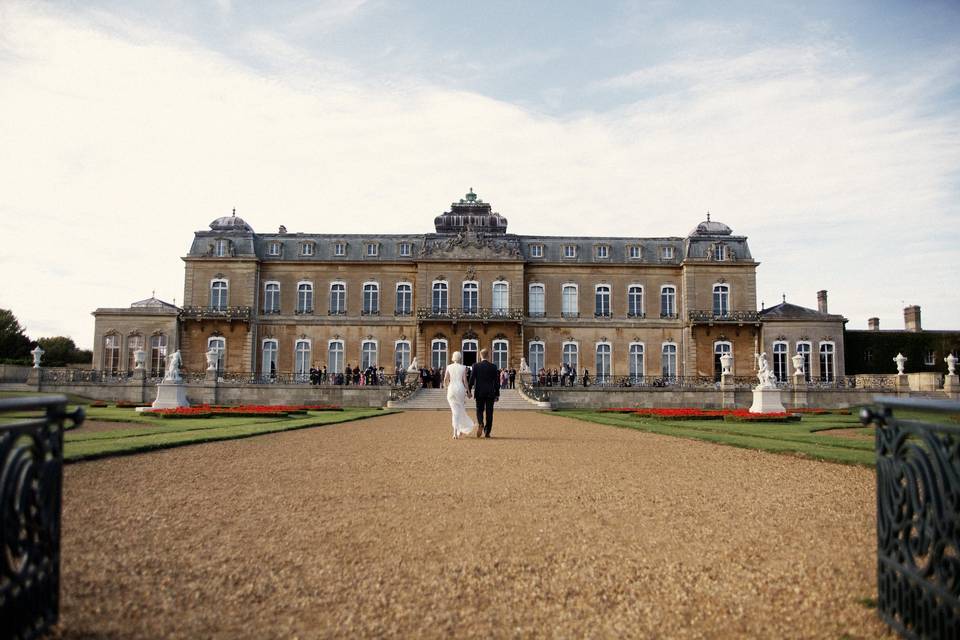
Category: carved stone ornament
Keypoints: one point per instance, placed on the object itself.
(403, 336)
(470, 245)
(471, 273)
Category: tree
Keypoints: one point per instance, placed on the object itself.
(60, 351)
(14, 344)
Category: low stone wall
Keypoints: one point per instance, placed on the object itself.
(14, 373)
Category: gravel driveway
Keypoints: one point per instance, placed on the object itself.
(387, 527)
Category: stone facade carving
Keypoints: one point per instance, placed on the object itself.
(470, 245)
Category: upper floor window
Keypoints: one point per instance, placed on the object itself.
(602, 301)
(338, 298)
(440, 291)
(305, 297)
(666, 253)
(633, 252)
(404, 299)
(668, 301)
(306, 249)
(635, 301)
(404, 249)
(500, 296)
(930, 358)
(471, 297)
(371, 298)
(535, 308)
(570, 301)
(218, 294)
(569, 251)
(273, 249)
(222, 248)
(536, 251)
(373, 249)
(339, 248)
(868, 355)
(721, 300)
(720, 252)
(602, 251)
(271, 297)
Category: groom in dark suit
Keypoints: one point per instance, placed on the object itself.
(485, 386)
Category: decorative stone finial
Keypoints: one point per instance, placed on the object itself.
(784, 297)
(708, 216)
(471, 196)
(234, 211)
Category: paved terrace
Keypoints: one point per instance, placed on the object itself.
(388, 527)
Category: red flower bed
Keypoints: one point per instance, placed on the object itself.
(690, 413)
(242, 411)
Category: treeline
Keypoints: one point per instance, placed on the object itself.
(15, 346)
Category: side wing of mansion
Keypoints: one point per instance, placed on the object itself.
(281, 303)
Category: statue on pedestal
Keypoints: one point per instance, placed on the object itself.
(765, 373)
(173, 368)
(900, 360)
(414, 367)
(524, 367)
(139, 359)
(951, 361)
(37, 354)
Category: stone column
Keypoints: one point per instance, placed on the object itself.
(728, 391)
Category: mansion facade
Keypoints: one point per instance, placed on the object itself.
(646, 308)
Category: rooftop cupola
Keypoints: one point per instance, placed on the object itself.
(470, 214)
(711, 228)
(230, 223)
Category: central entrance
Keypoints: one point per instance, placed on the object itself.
(469, 351)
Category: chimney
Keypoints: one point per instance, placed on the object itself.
(873, 324)
(822, 301)
(911, 318)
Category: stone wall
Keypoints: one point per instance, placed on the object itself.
(14, 373)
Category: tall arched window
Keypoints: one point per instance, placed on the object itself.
(218, 294)
(721, 300)
(668, 301)
(571, 302)
(404, 299)
(134, 344)
(804, 349)
(635, 301)
(636, 361)
(271, 297)
(371, 298)
(268, 363)
(158, 354)
(536, 357)
(338, 298)
(535, 306)
(668, 360)
(111, 354)
(827, 363)
(439, 297)
(571, 355)
(219, 345)
(471, 297)
(720, 348)
(438, 353)
(304, 297)
(335, 356)
(368, 354)
(301, 360)
(602, 308)
(500, 353)
(401, 359)
(780, 361)
(501, 298)
(604, 362)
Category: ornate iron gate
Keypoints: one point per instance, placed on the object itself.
(918, 517)
(31, 479)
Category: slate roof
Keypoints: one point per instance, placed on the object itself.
(787, 311)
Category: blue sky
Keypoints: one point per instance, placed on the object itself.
(827, 132)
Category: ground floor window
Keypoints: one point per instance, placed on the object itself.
(335, 357)
(402, 355)
(636, 361)
(134, 344)
(603, 363)
(720, 349)
(368, 355)
(803, 349)
(668, 360)
(780, 361)
(536, 357)
(158, 354)
(500, 351)
(111, 354)
(438, 354)
(571, 356)
(219, 345)
(302, 360)
(827, 366)
(268, 363)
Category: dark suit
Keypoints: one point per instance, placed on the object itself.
(485, 384)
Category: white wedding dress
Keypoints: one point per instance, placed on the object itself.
(457, 398)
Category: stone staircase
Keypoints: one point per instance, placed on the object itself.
(436, 400)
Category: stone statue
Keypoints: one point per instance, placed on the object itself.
(951, 361)
(726, 364)
(139, 359)
(173, 368)
(37, 354)
(414, 367)
(797, 364)
(900, 360)
(524, 368)
(765, 373)
(212, 357)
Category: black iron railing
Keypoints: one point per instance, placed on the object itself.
(214, 313)
(331, 379)
(918, 517)
(458, 313)
(31, 482)
(700, 315)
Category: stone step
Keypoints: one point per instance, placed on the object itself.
(436, 400)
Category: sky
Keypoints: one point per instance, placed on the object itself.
(828, 133)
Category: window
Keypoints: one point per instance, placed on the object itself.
(721, 300)
(500, 351)
(571, 355)
(500, 297)
(218, 295)
(335, 356)
(405, 249)
(339, 249)
(338, 298)
(471, 297)
(571, 303)
(371, 299)
(301, 360)
(535, 306)
(536, 251)
(373, 249)
(158, 354)
(780, 361)
(401, 355)
(804, 349)
(306, 249)
(827, 366)
(720, 252)
(469, 348)
(668, 360)
(219, 345)
(668, 301)
(720, 349)
(868, 355)
(439, 297)
(666, 253)
(636, 361)
(271, 297)
(633, 252)
(268, 363)
(304, 297)
(368, 354)
(111, 354)
(635, 301)
(602, 308)
(273, 249)
(569, 251)
(603, 362)
(929, 358)
(603, 252)
(134, 344)
(438, 353)
(404, 299)
(222, 248)
(536, 357)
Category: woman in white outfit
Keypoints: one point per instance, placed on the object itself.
(455, 380)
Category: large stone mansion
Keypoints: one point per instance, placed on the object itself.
(650, 308)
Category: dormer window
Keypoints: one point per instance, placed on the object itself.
(633, 252)
(222, 248)
(373, 249)
(404, 249)
(720, 252)
(602, 252)
(569, 251)
(536, 251)
(666, 253)
(339, 248)
(273, 249)
(306, 249)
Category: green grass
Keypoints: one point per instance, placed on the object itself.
(71, 398)
(157, 433)
(809, 438)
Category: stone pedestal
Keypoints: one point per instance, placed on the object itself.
(766, 401)
(728, 391)
(902, 382)
(33, 378)
(799, 391)
(170, 395)
(951, 383)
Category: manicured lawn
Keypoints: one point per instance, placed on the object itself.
(814, 436)
(159, 433)
(6, 393)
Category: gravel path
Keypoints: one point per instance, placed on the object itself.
(553, 528)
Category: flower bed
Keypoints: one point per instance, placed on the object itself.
(689, 413)
(742, 415)
(99, 404)
(123, 404)
(241, 411)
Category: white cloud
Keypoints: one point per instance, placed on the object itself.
(119, 143)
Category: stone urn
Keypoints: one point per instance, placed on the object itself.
(726, 364)
(37, 354)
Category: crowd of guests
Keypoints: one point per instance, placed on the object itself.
(432, 377)
(371, 376)
(565, 376)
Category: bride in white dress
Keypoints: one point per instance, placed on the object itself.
(455, 380)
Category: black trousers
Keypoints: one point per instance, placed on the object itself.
(485, 406)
